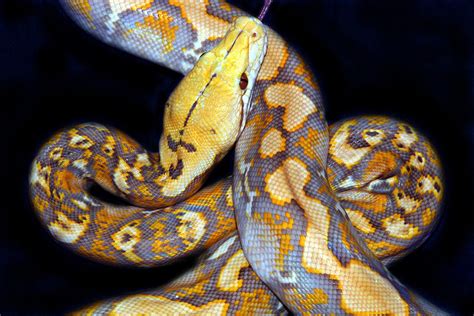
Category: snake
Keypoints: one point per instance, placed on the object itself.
(313, 213)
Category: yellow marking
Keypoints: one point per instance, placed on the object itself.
(364, 291)
(80, 204)
(343, 153)
(383, 249)
(123, 170)
(373, 136)
(81, 164)
(222, 248)
(285, 94)
(429, 184)
(403, 140)
(408, 204)
(121, 175)
(41, 175)
(229, 276)
(142, 161)
(360, 222)
(158, 305)
(396, 227)
(144, 190)
(56, 154)
(109, 146)
(229, 198)
(428, 216)
(276, 185)
(273, 142)
(80, 141)
(61, 162)
(191, 228)
(125, 240)
(67, 230)
(417, 161)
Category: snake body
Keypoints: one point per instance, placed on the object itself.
(319, 211)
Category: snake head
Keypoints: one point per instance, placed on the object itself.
(242, 51)
(213, 100)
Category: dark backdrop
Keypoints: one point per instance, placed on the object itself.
(413, 60)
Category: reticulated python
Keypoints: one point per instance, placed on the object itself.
(318, 210)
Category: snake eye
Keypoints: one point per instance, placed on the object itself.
(244, 81)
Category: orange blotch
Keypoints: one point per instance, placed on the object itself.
(67, 181)
(377, 203)
(161, 23)
(380, 166)
(309, 144)
(318, 297)
(255, 303)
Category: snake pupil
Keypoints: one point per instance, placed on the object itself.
(244, 81)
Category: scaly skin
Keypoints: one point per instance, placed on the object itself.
(317, 211)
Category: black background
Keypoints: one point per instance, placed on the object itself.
(413, 60)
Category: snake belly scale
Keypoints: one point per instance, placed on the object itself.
(312, 214)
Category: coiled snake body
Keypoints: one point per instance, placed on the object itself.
(311, 214)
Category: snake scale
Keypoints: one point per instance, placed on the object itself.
(312, 214)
